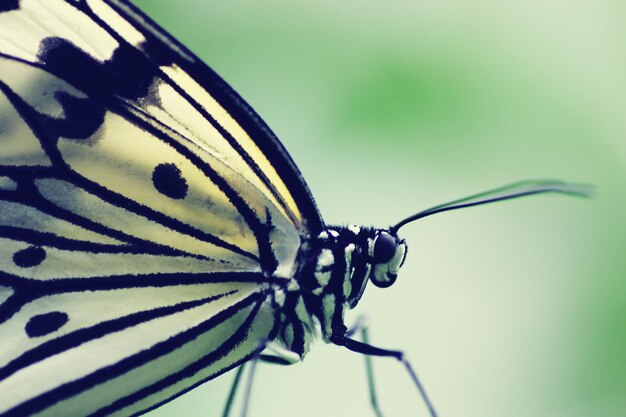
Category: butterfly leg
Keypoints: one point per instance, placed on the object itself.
(248, 389)
(233, 390)
(369, 370)
(278, 356)
(361, 322)
(360, 326)
(368, 350)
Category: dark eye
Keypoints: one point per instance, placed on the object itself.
(384, 248)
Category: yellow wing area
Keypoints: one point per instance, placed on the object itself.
(181, 114)
(165, 163)
(183, 105)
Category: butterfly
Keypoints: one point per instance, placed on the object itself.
(154, 233)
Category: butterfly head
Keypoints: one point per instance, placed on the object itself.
(374, 255)
(386, 253)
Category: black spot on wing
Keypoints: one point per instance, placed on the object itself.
(82, 117)
(8, 5)
(43, 324)
(127, 74)
(41, 402)
(168, 180)
(158, 54)
(29, 257)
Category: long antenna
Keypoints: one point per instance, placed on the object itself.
(515, 190)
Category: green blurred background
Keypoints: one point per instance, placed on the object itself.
(516, 309)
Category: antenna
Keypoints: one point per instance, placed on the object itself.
(508, 192)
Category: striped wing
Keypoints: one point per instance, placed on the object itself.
(123, 351)
(145, 211)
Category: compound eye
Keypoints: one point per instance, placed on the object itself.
(384, 248)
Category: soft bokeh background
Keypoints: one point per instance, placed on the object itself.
(516, 309)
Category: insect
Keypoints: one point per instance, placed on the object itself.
(154, 233)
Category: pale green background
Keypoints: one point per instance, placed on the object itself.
(390, 107)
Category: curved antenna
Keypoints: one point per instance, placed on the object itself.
(515, 190)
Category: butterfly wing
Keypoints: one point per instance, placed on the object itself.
(145, 211)
(121, 351)
(255, 143)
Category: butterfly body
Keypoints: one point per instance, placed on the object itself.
(337, 265)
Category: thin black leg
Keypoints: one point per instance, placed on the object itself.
(276, 360)
(361, 323)
(370, 376)
(233, 391)
(369, 350)
(248, 390)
